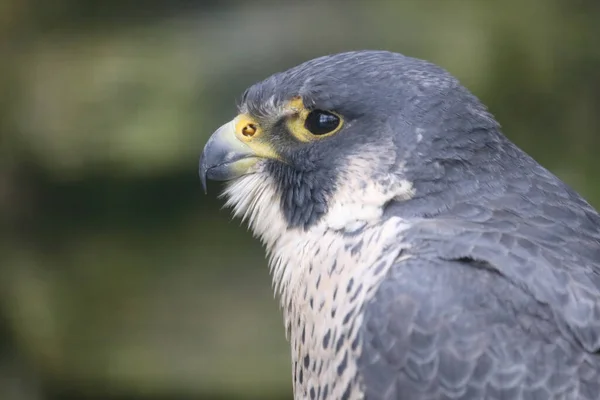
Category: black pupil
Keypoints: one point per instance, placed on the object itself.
(321, 122)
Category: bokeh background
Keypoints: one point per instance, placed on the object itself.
(119, 278)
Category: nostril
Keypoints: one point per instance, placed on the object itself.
(249, 130)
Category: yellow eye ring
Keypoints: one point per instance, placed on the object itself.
(311, 125)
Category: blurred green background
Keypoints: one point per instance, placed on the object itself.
(119, 278)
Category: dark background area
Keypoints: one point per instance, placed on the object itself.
(119, 278)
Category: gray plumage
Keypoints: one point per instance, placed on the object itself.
(417, 252)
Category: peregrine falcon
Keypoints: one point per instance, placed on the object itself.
(417, 253)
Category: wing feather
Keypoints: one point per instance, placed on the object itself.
(440, 329)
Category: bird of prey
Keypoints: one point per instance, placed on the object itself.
(417, 252)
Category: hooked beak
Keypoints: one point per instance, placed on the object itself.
(225, 157)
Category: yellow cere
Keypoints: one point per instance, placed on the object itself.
(246, 127)
(249, 131)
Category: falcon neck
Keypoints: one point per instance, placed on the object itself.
(464, 173)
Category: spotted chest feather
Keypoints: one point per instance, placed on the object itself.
(332, 280)
(324, 276)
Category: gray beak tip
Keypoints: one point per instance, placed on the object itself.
(202, 172)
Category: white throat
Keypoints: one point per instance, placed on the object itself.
(255, 200)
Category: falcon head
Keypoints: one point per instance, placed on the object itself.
(339, 142)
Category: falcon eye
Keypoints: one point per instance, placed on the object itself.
(320, 122)
(307, 125)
